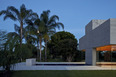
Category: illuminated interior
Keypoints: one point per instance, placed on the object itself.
(106, 48)
(106, 55)
(83, 50)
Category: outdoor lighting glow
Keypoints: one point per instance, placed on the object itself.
(106, 48)
(38, 31)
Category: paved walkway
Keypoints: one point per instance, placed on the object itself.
(22, 66)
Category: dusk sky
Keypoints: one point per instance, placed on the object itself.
(74, 14)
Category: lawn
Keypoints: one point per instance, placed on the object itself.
(77, 73)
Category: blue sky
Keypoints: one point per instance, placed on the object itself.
(74, 14)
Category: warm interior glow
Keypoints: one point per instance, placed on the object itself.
(83, 50)
(106, 48)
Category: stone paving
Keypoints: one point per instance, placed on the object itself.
(22, 66)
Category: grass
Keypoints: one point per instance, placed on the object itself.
(59, 73)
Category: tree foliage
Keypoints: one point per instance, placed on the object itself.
(45, 25)
(63, 44)
(12, 45)
(7, 59)
(22, 15)
(2, 39)
(68, 49)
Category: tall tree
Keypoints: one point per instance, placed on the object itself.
(21, 16)
(50, 25)
(63, 44)
(7, 56)
(31, 34)
(42, 28)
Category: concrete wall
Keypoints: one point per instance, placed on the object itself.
(98, 33)
(96, 23)
(88, 28)
(99, 36)
(90, 56)
(112, 31)
(92, 25)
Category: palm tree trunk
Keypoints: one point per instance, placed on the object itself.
(37, 50)
(40, 48)
(21, 32)
(45, 50)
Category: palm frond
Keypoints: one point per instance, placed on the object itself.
(9, 15)
(48, 11)
(51, 28)
(2, 12)
(12, 34)
(27, 14)
(32, 16)
(22, 8)
(17, 28)
(12, 40)
(60, 24)
(22, 12)
(12, 37)
(45, 16)
(53, 19)
(51, 32)
(37, 21)
(29, 22)
(14, 11)
(41, 27)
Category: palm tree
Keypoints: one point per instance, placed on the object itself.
(50, 25)
(42, 28)
(13, 43)
(31, 33)
(22, 16)
(8, 57)
(37, 29)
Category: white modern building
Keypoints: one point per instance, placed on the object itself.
(99, 41)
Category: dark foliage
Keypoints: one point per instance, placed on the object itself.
(63, 44)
